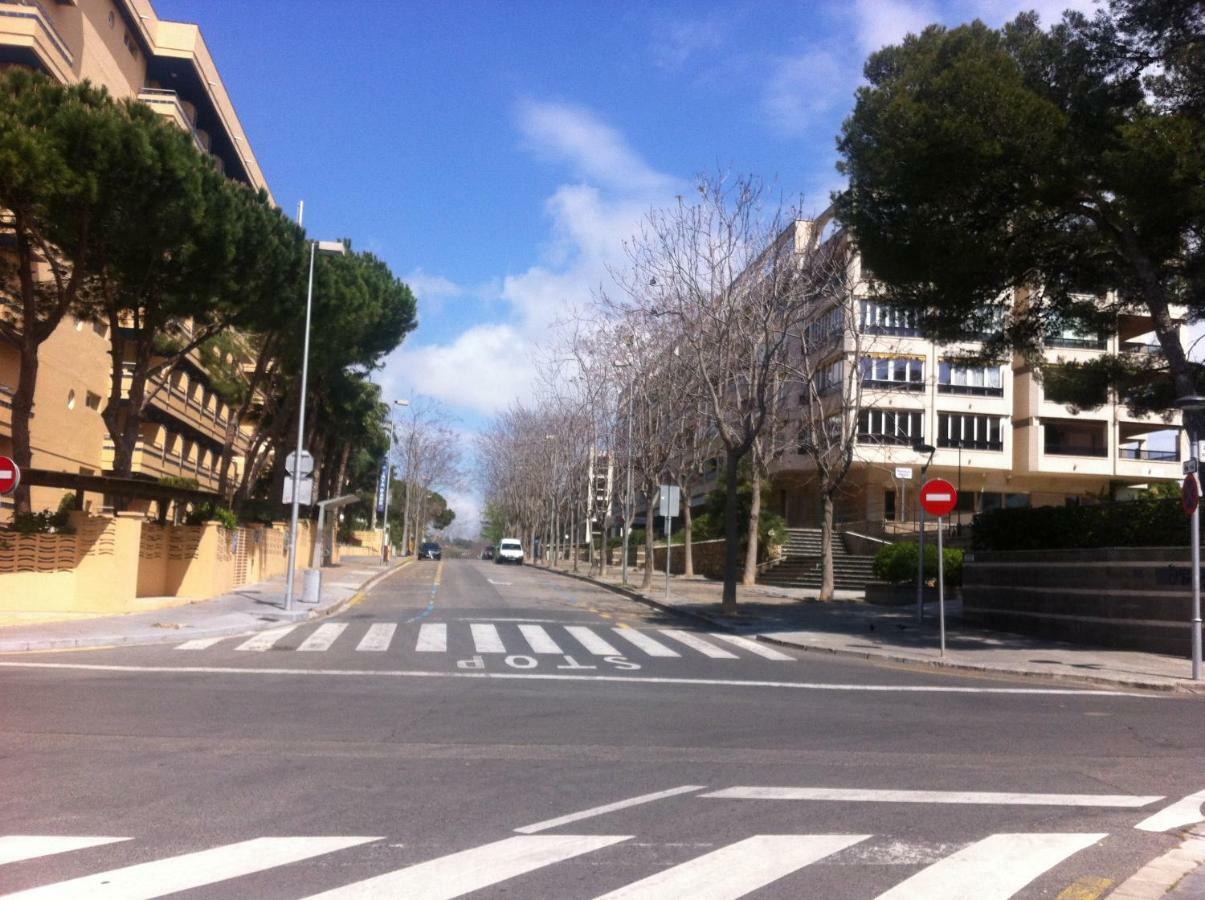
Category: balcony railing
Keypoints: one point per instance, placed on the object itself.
(1077, 343)
(956, 444)
(894, 330)
(971, 390)
(875, 384)
(894, 440)
(1141, 347)
(1055, 448)
(1150, 455)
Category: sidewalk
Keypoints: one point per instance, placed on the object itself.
(250, 608)
(847, 627)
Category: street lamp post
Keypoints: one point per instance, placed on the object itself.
(627, 491)
(316, 247)
(385, 533)
(920, 554)
(1192, 406)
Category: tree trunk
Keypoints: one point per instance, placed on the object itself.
(732, 462)
(573, 536)
(341, 473)
(688, 560)
(650, 557)
(237, 417)
(23, 400)
(826, 550)
(750, 576)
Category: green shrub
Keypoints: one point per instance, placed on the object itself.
(1158, 522)
(896, 563)
(208, 512)
(44, 522)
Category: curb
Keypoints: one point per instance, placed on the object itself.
(908, 661)
(171, 635)
(1158, 877)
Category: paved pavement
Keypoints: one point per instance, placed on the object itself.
(470, 727)
(853, 628)
(250, 608)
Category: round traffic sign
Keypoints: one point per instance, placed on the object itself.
(10, 476)
(938, 497)
(1190, 494)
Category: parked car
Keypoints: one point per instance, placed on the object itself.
(488, 552)
(430, 550)
(510, 551)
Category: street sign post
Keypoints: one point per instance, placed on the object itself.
(670, 496)
(939, 497)
(10, 476)
(903, 473)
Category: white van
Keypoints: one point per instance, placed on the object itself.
(509, 551)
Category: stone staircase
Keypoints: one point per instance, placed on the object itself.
(800, 566)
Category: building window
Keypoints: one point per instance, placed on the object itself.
(92, 401)
(71, 399)
(112, 19)
(899, 373)
(1076, 438)
(956, 378)
(100, 328)
(876, 317)
(969, 432)
(828, 379)
(1074, 335)
(826, 328)
(891, 426)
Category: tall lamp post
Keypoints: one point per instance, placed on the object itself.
(388, 484)
(1192, 407)
(920, 554)
(335, 248)
(627, 491)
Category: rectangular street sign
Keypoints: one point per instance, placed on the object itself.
(904, 473)
(382, 482)
(305, 491)
(1191, 466)
(670, 495)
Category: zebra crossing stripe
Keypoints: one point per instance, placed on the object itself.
(591, 641)
(753, 647)
(985, 798)
(486, 639)
(322, 639)
(432, 638)
(20, 847)
(644, 642)
(471, 870)
(695, 642)
(201, 643)
(994, 868)
(737, 869)
(192, 870)
(265, 639)
(539, 639)
(378, 638)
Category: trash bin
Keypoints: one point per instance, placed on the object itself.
(311, 590)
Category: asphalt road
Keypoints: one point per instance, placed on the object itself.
(467, 726)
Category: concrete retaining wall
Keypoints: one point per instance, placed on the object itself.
(1130, 598)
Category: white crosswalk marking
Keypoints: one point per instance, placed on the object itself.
(738, 869)
(539, 639)
(486, 639)
(644, 642)
(432, 638)
(591, 641)
(201, 643)
(265, 639)
(192, 870)
(19, 847)
(470, 870)
(322, 639)
(994, 868)
(753, 646)
(694, 642)
(377, 638)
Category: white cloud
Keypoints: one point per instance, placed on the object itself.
(432, 287)
(675, 42)
(996, 12)
(804, 88)
(883, 22)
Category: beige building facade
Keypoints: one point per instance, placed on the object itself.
(124, 46)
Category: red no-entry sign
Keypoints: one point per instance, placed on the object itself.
(1190, 494)
(10, 476)
(938, 497)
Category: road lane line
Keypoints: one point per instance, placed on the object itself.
(645, 643)
(994, 868)
(539, 640)
(591, 641)
(486, 639)
(378, 638)
(432, 638)
(471, 870)
(754, 647)
(322, 639)
(697, 643)
(201, 643)
(192, 870)
(608, 807)
(1187, 811)
(989, 798)
(20, 847)
(737, 869)
(265, 639)
(613, 679)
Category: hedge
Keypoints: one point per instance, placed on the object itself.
(896, 563)
(1132, 523)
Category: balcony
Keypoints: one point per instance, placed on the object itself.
(956, 444)
(1141, 347)
(1077, 343)
(167, 103)
(28, 35)
(1148, 455)
(970, 390)
(873, 384)
(1055, 448)
(887, 440)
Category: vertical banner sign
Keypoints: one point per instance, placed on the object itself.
(382, 483)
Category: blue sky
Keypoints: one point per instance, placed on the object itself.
(495, 154)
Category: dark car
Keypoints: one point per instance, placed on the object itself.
(430, 550)
(488, 552)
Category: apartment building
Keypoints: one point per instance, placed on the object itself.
(995, 434)
(124, 46)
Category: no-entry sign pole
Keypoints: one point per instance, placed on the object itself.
(938, 498)
(1190, 495)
